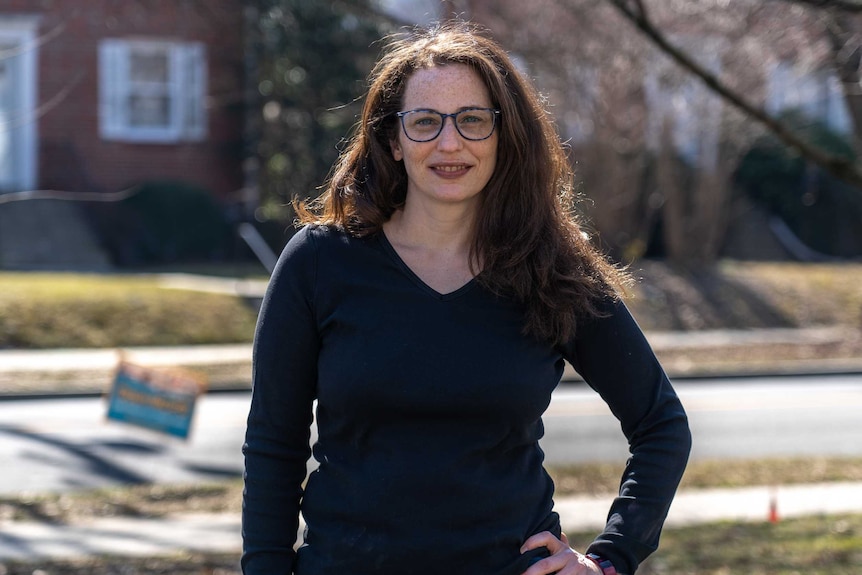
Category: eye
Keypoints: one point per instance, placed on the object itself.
(473, 117)
(424, 120)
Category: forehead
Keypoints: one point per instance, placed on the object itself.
(445, 88)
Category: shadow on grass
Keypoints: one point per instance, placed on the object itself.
(701, 297)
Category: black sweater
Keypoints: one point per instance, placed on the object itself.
(429, 415)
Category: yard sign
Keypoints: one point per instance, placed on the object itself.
(158, 399)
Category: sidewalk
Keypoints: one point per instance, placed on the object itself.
(220, 533)
(228, 367)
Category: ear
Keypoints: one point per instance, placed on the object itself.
(395, 146)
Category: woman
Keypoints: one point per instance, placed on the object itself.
(428, 307)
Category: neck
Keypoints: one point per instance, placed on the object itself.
(439, 230)
(436, 249)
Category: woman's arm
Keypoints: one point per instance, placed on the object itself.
(284, 375)
(614, 358)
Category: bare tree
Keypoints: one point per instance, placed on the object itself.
(844, 5)
(612, 88)
(593, 72)
(637, 13)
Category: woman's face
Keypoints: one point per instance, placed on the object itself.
(449, 169)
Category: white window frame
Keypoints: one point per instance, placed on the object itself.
(186, 89)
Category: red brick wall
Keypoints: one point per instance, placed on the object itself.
(72, 155)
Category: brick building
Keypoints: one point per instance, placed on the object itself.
(100, 95)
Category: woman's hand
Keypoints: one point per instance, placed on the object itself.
(563, 560)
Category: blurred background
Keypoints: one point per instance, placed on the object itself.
(149, 152)
(699, 130)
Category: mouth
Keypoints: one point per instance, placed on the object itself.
(448, 170)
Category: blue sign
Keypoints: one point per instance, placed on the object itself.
(162, 400)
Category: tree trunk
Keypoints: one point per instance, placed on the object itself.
(674, 210)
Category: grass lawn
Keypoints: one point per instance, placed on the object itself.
(46, 310)
(602, 478)
(822, 545)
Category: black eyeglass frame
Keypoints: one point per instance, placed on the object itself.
(494, 116)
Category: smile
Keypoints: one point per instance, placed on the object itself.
(451, 169)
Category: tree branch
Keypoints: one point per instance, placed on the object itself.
(845, 5)
(839, 167)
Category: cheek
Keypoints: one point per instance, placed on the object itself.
(491, 158)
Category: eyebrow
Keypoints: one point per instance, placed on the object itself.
(461, 109)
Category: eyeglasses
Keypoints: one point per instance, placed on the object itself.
(472, 123)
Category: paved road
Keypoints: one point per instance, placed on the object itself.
(731, 418)
(53, 445)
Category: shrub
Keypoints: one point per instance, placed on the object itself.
(165, 222)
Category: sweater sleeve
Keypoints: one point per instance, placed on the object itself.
(276, 448)
(612, 355)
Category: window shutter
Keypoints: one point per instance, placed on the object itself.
(113, 83)
(194, 76)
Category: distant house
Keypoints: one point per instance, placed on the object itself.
(99, 96)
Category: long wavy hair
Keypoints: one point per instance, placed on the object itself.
(527, 236)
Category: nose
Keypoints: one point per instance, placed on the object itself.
(449, 138)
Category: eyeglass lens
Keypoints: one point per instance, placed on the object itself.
(425, 125)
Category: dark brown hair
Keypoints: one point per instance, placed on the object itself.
(527, 237)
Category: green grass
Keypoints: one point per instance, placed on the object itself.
(818, 545)
(735, 294)
(807, 294)
(45, 310)
(601, 478)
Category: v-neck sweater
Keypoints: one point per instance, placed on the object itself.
(429, 413)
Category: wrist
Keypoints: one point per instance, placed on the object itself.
(604, 564)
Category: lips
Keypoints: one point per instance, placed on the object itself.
(450, 170)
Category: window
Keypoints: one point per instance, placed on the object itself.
(817, 93)
(152, 91)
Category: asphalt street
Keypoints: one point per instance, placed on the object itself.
(738, 418)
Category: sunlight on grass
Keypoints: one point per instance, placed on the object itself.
(603, 478)
(78, 310)
(825, 294)
(818, 545)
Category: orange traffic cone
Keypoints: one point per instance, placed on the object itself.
(773, 507)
